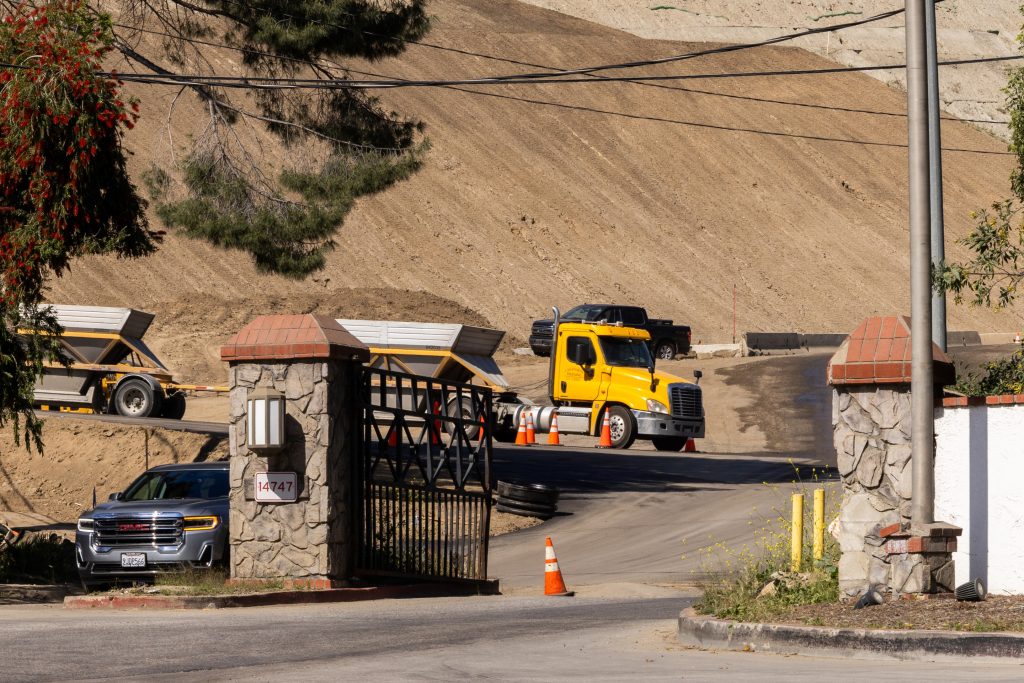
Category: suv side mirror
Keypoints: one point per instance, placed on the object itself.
(697, 375)
(116, 495)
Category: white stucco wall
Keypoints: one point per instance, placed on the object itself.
(979, 486)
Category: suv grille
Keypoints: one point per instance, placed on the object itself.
(148, 532)
(686, 401)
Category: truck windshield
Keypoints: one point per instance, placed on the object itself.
(585, 313)
(626, 353)
(177, 484)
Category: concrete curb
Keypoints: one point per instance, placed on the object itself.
(425, 590)
(24, 593)
(711, 633)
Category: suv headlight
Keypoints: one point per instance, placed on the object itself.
(85, 524)
(204, 523)
(655, 406)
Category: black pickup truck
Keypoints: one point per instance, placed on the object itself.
(667, 339)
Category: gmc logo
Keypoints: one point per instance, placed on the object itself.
(133, 527)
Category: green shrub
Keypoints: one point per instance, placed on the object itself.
(39, 560)
(1000, 377)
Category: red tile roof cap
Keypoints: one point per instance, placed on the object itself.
(293, 337)
(878, 352)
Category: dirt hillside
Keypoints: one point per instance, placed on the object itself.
(792, 189)
(965, 30)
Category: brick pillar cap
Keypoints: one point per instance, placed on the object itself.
(293, 337)
(879, 352)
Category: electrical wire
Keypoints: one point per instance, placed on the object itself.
(276, 83)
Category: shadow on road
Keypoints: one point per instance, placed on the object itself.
(580, 471)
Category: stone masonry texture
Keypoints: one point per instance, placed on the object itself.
(314, 537)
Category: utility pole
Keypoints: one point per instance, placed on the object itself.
(922, 386)
(935, 174)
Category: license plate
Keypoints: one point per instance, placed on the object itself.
(133, 559)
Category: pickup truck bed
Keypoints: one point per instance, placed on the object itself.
(667, 339)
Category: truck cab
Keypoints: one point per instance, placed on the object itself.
(600, 368)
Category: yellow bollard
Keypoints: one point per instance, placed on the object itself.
(797, 549)
(819, 523)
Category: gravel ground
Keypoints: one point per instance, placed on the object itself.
(997, 613)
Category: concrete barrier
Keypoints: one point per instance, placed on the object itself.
(791, 341)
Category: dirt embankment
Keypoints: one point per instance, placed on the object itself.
(80, 455)
(792, 189)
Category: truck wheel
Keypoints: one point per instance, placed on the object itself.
(665, 350)
(174, 407)
(623, 427)
(669, 443)
(135, 398)
(470, 420)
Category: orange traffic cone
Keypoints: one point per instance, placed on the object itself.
(435, 428)
(690, 447)
(606, 433)
(392, 437)
(531, 433)
(521, 433)
(553, 583)
(483, 428)
(553, 432)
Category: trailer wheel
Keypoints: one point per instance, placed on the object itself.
(665, 350)
(464, 408)
(623, 427)
(135, 398)
(174, 406)
(669, 443)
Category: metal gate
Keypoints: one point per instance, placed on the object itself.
(425, 477)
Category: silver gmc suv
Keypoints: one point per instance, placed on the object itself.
(171, 517)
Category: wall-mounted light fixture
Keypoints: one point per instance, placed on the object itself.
(265, 421)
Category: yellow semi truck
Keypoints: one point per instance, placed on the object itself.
(595, 368)
(598, 368)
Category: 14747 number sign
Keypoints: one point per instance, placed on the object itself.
(276, 487)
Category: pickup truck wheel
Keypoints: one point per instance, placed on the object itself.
(623, 427)
(135, 398)
(665, 351)
(669, 443)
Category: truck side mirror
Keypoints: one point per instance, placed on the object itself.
(698, 374)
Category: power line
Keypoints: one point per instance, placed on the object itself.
(277, 83)
(748, 98)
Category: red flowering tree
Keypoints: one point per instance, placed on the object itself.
(64, 188)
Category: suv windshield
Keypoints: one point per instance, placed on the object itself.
(626, 353)
(176, 484)
(584, 313)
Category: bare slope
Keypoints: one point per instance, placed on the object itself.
(793, 189)
(966, 30)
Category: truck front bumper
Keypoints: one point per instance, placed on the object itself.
(103, 565)
(659, 424)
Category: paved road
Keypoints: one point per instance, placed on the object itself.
(631, 516)
(211, 428)
(504, 638)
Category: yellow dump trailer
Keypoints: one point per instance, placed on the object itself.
(111, 370)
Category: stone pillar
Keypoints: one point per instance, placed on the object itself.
(315, 363)
(870, 376)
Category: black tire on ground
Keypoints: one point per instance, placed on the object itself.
(516, 510)
(95, 587)
(503, 434)
(540, 494)
(623, 426)
(174, 407)
(669, 443)
(135, 398)
(665, 350)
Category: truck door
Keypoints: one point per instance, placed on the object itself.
(579, 380)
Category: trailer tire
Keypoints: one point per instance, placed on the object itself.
(623, 426)
(135, 398)
(463, 407)
(516, 509)
(536, 494)
(669, 443)
(665, 350)
(174, 407)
